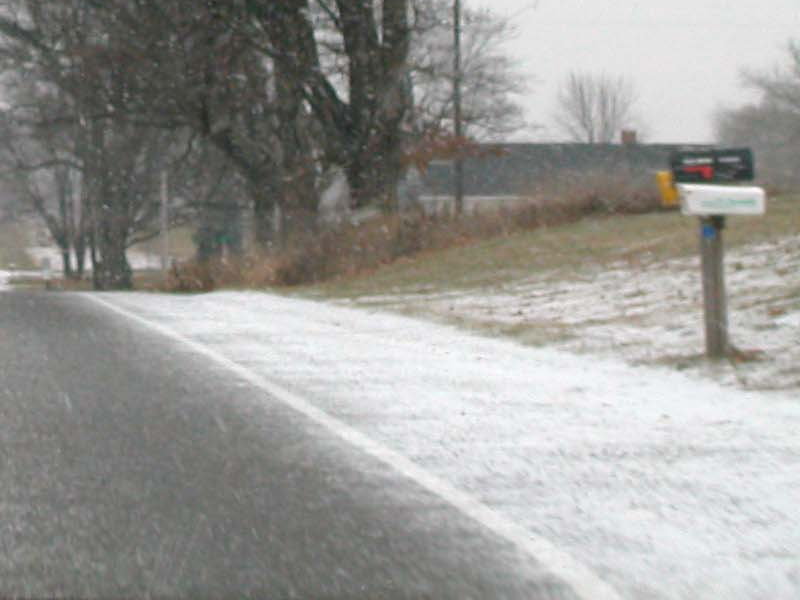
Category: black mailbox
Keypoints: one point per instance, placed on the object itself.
(712, 166)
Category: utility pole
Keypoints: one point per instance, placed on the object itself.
(164, 221)
(457, 124)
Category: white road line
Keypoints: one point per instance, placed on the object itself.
(584, 582)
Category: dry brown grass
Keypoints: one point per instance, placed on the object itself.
(315, 256)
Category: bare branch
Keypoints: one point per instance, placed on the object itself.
(594, 108)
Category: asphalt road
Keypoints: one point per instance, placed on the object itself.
(131, 468)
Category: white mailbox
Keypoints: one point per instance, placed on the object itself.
(708, 200)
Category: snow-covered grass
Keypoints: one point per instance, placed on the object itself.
(12, 248)
(627, 288)
(15, 261)
(666, 486)
(650, 312)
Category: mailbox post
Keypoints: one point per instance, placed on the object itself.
(716, 313)
(698, 176)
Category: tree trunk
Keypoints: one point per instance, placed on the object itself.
(110, 228)
(113, 272)
(374, 172)
(66, 263)
(80, 237)
(297, 181)
(364, 134)
(264, 203)
(80, 256)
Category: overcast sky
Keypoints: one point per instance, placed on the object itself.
(683, 56)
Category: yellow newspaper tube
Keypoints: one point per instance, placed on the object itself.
(669, 193)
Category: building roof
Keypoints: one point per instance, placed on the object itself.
(518, 169)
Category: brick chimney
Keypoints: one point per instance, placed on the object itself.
(629, 137)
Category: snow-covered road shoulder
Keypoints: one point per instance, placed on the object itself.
(666, 486)
(642, 309)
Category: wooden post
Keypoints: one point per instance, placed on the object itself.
(164, 222)
(457, 116)
(716, 312)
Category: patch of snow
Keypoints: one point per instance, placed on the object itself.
(791, 320)
(647, 312)
(668, 486)
(138, 260)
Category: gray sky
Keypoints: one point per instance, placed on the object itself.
(683, 56)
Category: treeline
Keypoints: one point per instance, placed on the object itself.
(239, 103)
(771, 124)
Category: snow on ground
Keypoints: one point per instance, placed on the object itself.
(647, 312)
(667, 486)
(52, 255)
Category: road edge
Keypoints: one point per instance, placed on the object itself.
(579, 577)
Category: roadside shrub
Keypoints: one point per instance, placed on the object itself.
(310, 256)
(578, 195)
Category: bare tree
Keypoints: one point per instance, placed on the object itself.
(362, 121)
(771, 126)
(255, 79)
(281, 89)
(594, 108)
(491, 81)
(41, 172)
(78, 121)
(771, 131)
(780, 87)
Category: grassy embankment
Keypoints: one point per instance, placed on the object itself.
(561, 252)
(622, 286)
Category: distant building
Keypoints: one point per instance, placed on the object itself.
(507, 173)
